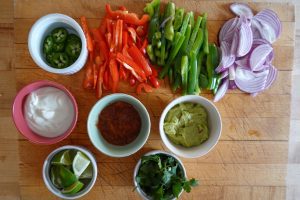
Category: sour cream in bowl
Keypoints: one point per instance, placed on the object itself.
(45, 112)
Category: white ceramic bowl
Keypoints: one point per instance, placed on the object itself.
(42, 28)
(57, 192)
(137, 167)
(214, 125)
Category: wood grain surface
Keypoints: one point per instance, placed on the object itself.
(250, 161)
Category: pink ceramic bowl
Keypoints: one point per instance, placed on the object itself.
(20, 121)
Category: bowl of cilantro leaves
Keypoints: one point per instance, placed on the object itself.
(161, 175)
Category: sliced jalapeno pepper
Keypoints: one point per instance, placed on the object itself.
(73, 48)
(60, 60)
(58, 47)
(48, 44)
(49, 57)
(72, 37)
(59, 35)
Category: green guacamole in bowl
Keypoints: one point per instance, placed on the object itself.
(186, 124)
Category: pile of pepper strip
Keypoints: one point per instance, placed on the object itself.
(117, 51)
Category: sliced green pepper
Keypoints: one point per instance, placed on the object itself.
(192, 75)
(60, 60)
(150, 7)
(169, 28)
(58, 47)
(203, 81)
(192, 20)
(154, 22)
(73, 48)
(205, 33)
(198, 42)
(185, 23)
(194, 32)
(49, 57)
(48, 44)
(183, 49)
(59, 35)
(178, 18)
(211, 64)
(170, 75)
(163, 51)
(184, 73)
(176, 82)
(150, 52)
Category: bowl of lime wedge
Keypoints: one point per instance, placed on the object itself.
(70, 172)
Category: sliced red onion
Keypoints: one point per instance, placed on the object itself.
(259, 55)
(264, 29)
(255, 32)
(254, 94)
(224, 74)
(227, 58)
(232, 85)
(245, 39)
(243, 62)
(241, 9)
(166, 20)
(232, 72)
(228, 29)
(273, 72)
(271, 18)
(249, 81)
(222, 90)
(235, 43)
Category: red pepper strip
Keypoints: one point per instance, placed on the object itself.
(132, 33)
(154, 71)
(108, 39)
(139, 58)
(124, 38)
(125, 51)
(105, 80)
(132, 66)
(123, 8)
(130, 18)
(102, 27)
(88, 77)
(140, 31)
(113, 68)
(100, 80)
(114, 40)
(95, 74)
(154, 81)
(132, 81)
(101, 41)
(122, 73)
(108, 25)
(144, 86)
(85, 28)
(144, 46)
(120, 35)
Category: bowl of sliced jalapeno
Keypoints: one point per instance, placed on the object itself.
(57, 44)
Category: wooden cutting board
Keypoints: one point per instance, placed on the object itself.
(250, 160)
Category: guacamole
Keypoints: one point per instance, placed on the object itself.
(186, 124)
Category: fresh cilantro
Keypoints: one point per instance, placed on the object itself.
(161, 177)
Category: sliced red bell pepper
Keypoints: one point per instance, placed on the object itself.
(132, 81)
(88, 80)
(101, 41)
(125, 38)
(123, 8)
(154, 71)
(122, 73)
(140, 30)
(144, 46)
(113, 68)
(86, 31)
(105, 79)
(100, 80)
(154, 81)
(139, 58)
(129, 64)
(132, 33)
(144, 86)
(130, 18)
(120, 27)
(108, 39)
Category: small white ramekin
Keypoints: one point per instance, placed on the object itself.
(42, 28)
(142, 194)
(57, 192)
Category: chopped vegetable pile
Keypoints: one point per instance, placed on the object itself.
(247, 53)
(179, 43)
(161, 177)
(61, 49)
(117, 51)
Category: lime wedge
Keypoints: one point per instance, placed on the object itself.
(87, 173)
(74, 188)
(64, 176)
(62, 158)
(80, 163)
(54, 180)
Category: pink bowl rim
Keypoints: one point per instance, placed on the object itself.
(20, 122)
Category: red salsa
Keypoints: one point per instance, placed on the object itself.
(119, 123)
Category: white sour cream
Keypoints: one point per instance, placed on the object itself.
(49, 112)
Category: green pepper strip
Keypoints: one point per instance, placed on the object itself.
(154, 22)
(185, 23)
(176, 82)
(211, 63)
(163, 51)
(171, 75)
(184, 73)
(178, 18)
(169, 28)
(150, 7)
(204, 27)
(192, 20)
(174, 52)
(200, 63)
(192, 78)
(197, 44)
(195, 32)
(150, 52)
(186, 40)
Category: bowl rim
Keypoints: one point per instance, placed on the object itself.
(172, 147)
(47, 163)
(18, 106)
(118, 95)
(138, 164)
(77, 28)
